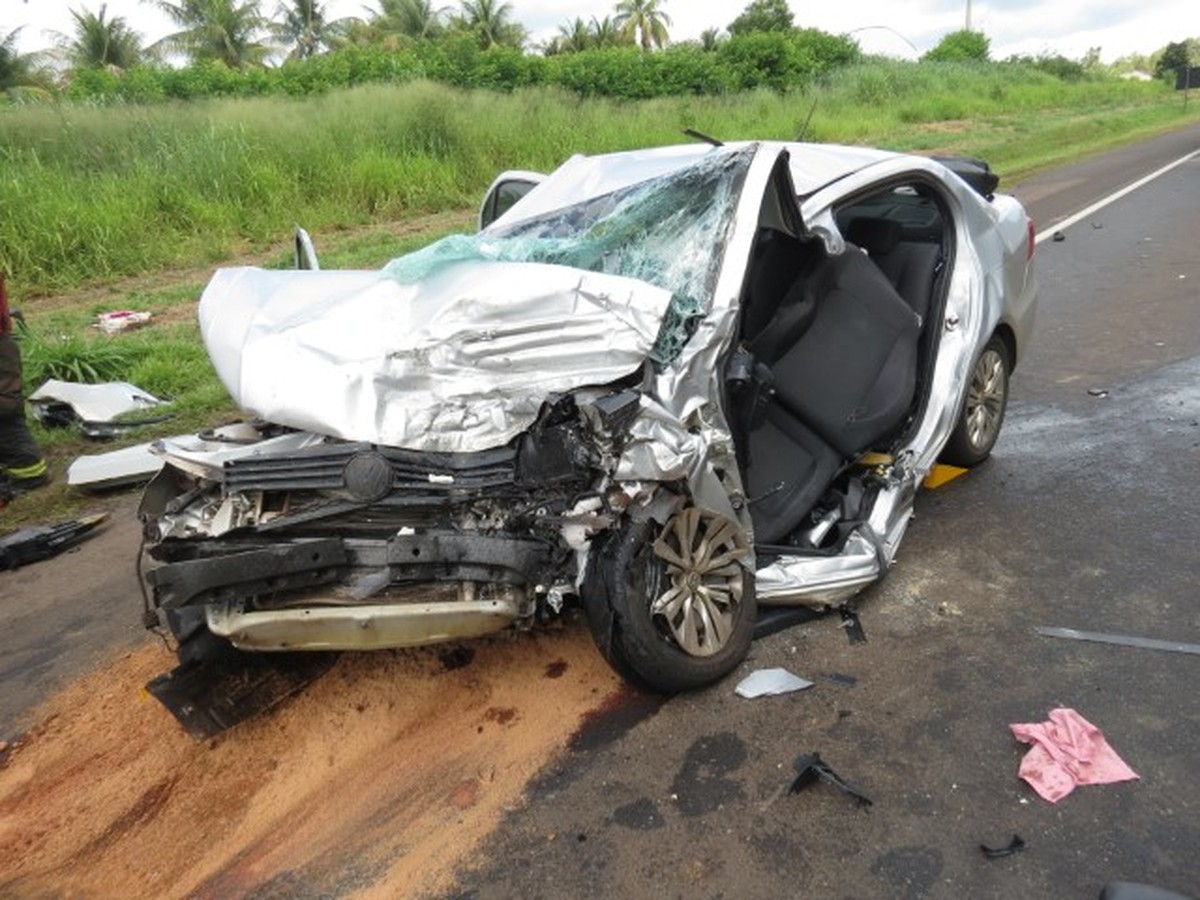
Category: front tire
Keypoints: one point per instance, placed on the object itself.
(672, 608)
(983, 408)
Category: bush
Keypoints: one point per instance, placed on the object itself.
(960, 46)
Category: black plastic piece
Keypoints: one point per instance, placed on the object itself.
(40, 542)
(212, 695)
(812, 768)
(1016, 845)
(237, 575)
(975, 172)
(852, 624)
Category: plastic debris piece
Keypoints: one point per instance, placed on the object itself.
(92, 402)
(768, 682)
(1067, 751)
(839, 678)
(850, 621)
(40, 542)
(811, 768)
(1097, 392)
(131, 465)
(121, 320)
(1016, 845)
(1059, 237)
(1118, 639)
(942, 474)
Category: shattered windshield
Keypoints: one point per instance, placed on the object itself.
(669, 231)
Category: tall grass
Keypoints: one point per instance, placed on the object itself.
(89, 193)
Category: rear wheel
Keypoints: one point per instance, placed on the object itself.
(983, 408)
(673, 608)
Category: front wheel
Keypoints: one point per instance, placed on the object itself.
(983, 408)
(673, 608)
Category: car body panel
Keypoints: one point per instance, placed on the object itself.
(597, 317)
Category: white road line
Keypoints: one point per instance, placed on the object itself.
(1111, 198)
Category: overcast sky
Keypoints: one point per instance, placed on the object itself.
(1069, 27)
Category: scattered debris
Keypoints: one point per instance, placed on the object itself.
(99, 471)
(1097, 392)
(839, 678)
(96, 407)
(942, 474)
(768, 682)
(227, 687)
(121, 320)
(1058, 237)
(1118, 639)
(1016, 845)
(812, 768)
(1067, 751)
(39, 542)
(850, 621)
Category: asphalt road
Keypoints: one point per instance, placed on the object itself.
(1087, 517)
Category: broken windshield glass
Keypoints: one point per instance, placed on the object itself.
(669, 231)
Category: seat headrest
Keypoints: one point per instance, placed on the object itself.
(877, 236)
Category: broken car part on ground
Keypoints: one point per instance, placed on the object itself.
(668, 386)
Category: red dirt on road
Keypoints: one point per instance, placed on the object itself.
(377, 781)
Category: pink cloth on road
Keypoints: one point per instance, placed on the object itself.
(1067, 750)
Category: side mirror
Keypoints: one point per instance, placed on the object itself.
(504, 194)
(306, 253)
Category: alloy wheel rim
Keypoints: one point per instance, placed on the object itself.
(704, 579)
(985, 399)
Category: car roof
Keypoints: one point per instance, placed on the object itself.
(582, 177)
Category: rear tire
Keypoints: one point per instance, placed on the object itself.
(672, 608)
(983, 408)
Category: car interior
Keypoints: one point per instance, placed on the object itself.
(839, 349)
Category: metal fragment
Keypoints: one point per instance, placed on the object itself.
(1122, 640)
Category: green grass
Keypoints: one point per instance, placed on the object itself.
(94, 193)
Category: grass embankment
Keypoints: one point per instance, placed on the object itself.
(94, 196)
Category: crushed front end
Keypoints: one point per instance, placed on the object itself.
(297, 542)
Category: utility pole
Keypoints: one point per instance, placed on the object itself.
(968, 15)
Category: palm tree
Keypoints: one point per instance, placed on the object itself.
(305, 29)
(645, 18)
(224, 30)
(491, 21)
(573, 37)
(605, 33)
(415, 18)
(16, 68)
(710, 39)
(99, 42)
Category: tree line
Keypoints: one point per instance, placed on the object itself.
(232, 47)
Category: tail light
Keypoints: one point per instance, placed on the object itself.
(1031, 243)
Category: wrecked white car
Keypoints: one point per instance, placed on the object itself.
(669, 386)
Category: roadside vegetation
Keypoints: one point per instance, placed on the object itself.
(107, 191)
(125, 178)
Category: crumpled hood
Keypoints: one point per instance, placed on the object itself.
(459, 361)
